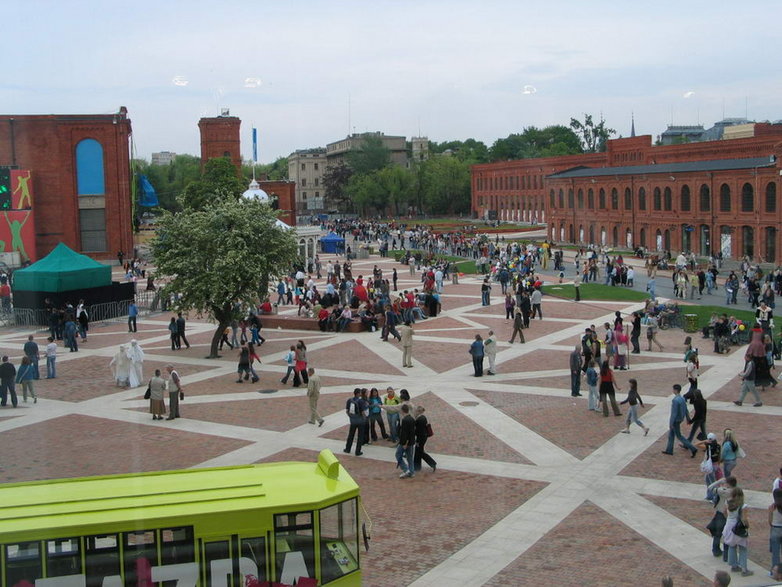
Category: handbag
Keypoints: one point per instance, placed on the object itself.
(740, 453)
(740, 529)
(429, 431)
(706, 465)
(148, 392)
(181, 395)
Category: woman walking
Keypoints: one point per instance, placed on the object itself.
(174, 333)
(477, 352)
(301, 364)
(608, 389)
(729, 451)
(620, 356)
(253, 357)
(633, 398)
(736, 539)
(775, 521)
(421, 436)
(25, 376)
(712, 472)
(157, 389)
(698, 418)
(376, 414)
(651, 333)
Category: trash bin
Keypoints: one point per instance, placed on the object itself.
(455, 278)
(690, 323)
(363, 253)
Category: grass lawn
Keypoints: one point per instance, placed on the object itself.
(464, 265)
(596, 291)
(704, 313)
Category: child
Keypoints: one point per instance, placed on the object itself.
(633, 398)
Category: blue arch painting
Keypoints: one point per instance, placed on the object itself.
(89, 168)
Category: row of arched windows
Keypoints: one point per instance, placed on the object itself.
(662, 199)
(510, 182)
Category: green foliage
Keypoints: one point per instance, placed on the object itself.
(219, 181)
(596, 291)
(593, 136)
(276, 171)
(335, 181)
(367, 193)
(371, 156)
(170, 180)
(445, 185)
(469, 151)
(222, 254)
(534, 142)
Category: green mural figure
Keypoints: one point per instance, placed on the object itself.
(17, 244)
(23, 187)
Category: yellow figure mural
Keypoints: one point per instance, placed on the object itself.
(25, 200)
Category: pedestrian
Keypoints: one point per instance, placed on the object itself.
(477, 352)
(729, 452)
(31, 352)
(710, 467)
(157, 387)
(313, 395)
(7, 382)
(406, 333)
(132, 315)
(575, 371)
(406, 446)
(651, 332)
(51, 359)
(180, 328)
(224, 339)
(175, 392)
(253, 358)
(243, 368)
(734, 536)
(775, 521)
(518, 325)
(136, 370)
(174, 333)
(691, 369)
(678, 415)
(485, 292)
(376, 415)
(422, 430)
(391, 406)
(510, 303)
(301, 363)
(608, 389)
(698, 417)
(490, 351)
(635, 333)
(69, 333)
(83, 319)
(357, 411)
(120, 367)
(394, 278)
(290, 361)
(721, 489)
(633, 399)
(25, 376)
(748, 383)
(536, 300)
(577, 286)
(592, 379)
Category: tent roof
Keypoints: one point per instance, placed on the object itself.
(61, 270)
(332, 237)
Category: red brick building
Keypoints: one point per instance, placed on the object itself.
(79, 179)
(708, 196)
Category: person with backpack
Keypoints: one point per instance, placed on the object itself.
(712, 471)
(592, 379)
(357, 411)
(290, 362)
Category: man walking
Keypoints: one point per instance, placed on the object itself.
(490, 350)
(32, 352)
(406, 446)
(313, 394)
(678, 414)
(7, 382)
(132, 315)
(536, 299)
(180, 330)
(175, 392)
(575, 372)
(51, 358)
(477, 352)
(518, 325)
(748, 383)
(357, 410)
(406, 332)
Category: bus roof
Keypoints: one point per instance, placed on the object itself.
(65, 503)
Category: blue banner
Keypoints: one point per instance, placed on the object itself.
(148, 195)
(255, 145)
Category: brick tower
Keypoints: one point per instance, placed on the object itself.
(220, 138)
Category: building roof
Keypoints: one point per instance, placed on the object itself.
(669, 168)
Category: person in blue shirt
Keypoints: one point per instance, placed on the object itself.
(477, 352)
(132, 315)
(678, 415)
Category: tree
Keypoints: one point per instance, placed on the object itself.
(276, 171)
(371, 156)
(397, 183)
(367, 193)
(222, 255)
(219, 180)
(593, 136)
(335, 181)
(169, 180)
(533, 142)
(446, 185)
(471, 151)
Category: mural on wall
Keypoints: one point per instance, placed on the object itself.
(17, 228)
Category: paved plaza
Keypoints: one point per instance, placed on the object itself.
(530, 488)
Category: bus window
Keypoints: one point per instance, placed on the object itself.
(177, 547)
(101, 558)
(294, 545)
(140, 556)
(217, 551)
(23, 563)
(63, 557)
(338, 540)
(255, 550)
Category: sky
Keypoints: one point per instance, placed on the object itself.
(306, 73)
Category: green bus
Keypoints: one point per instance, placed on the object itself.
(242, 526)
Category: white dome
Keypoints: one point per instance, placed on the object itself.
(280, 224)
(256, 192)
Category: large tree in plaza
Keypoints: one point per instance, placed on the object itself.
(222, 256)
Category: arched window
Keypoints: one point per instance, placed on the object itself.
(705, 198)
(614, 202)
(562, 202)
(591, 200)
(89, 168)
(724, 198)
(570, 202)
(551, 199)
(642, 199)
(580, 197)
(771, 244)
(642, 238)
(628, 199)
(771, 199)
(684, 199)
(601, 199)
(657, 199)
(615, 236)
(667, 199)
(747, 198)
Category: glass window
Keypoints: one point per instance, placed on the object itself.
(140, 556)
(101, 558)
(177, 547)
(89, 168)
(316, 166)
(92, 224)
(63, 557)
(705, 198)
(747, 198)
(724, 198)
(685, 199)
(771, 198)
(591, 199)
(254, 549)
(601, 199)
(657, 199)
(338, 540)
(642, 199)
(216, 551)
(628, 199)
(23, 563)
(614, 199)
(667, 199)
(294, 546)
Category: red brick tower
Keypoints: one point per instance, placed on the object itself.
(220, 138)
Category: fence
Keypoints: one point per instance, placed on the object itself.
(147, 302)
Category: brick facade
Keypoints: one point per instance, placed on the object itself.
(704, 197)
(220, 138)
(46, 145)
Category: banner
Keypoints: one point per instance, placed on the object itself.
(255, 145)
(17, 233)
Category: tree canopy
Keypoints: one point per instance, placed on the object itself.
(535, 142)
(169, 180)
(221, 255)
(218, 181)
(371, 155)
(593, 136)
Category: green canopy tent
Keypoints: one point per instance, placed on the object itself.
(62, 270)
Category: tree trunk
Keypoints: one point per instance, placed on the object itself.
(216, 339)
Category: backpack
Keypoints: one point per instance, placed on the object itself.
(591, 377)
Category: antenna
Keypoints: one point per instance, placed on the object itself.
(348, 114)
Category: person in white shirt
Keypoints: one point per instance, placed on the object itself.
(51, 357)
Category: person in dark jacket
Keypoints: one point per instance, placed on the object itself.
(7, 382)
(698, 418)
(421, 436)
(633, 398)
(635, 333)
(477, 352)
(357, 410)
(406, 446)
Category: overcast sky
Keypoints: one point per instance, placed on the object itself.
(447, 70)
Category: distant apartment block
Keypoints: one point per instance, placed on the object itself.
(336, 152)
(306, 168)
(163, 158)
